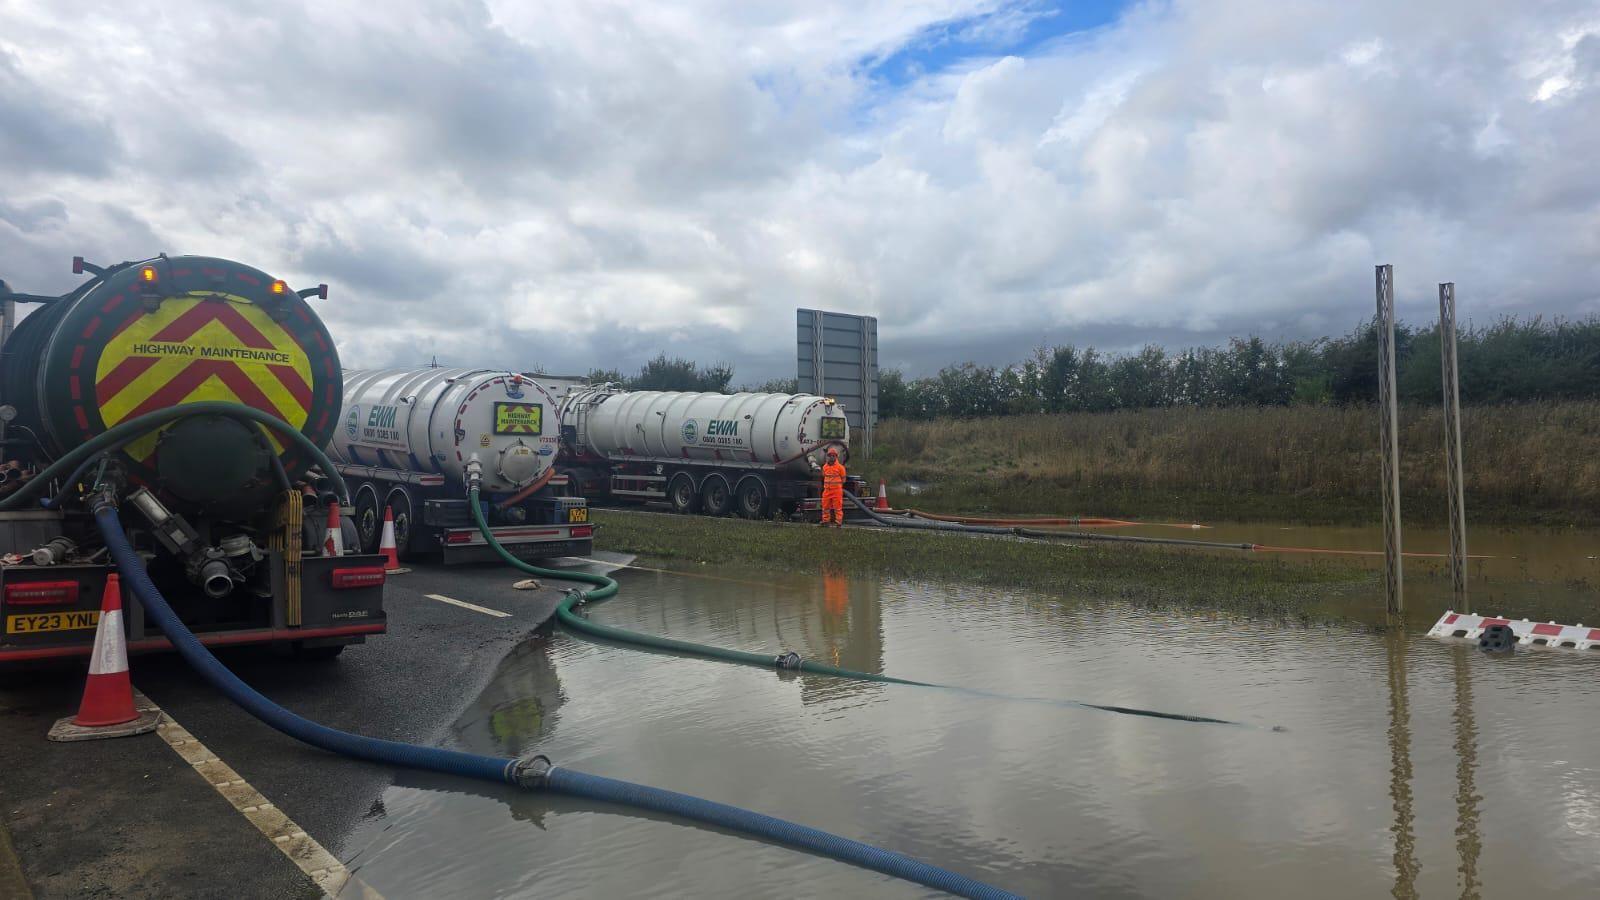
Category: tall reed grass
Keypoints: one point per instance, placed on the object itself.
(1524, 463)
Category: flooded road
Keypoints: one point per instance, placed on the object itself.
(1410, 767)
(1556, 569)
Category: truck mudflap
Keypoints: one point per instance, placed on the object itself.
(528, 542)
(48, 612)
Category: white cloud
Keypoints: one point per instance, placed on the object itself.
(588, 183)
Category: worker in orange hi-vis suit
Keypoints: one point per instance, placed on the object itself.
(833, 490)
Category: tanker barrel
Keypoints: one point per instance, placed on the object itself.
(145, 336)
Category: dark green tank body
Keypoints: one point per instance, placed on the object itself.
(206, 329)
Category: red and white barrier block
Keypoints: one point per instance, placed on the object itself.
(1465, 625)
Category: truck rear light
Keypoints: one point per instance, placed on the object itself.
(458, 537)
(583, 531)
(42, 593)
(367, 576)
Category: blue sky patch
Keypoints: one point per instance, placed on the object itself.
(1015, 29)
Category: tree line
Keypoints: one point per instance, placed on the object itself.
(1511, 360)
(668, 374)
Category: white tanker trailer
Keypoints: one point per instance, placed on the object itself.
(405, 439)
(711, 453)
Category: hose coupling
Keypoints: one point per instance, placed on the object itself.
(788, 660)
(104, 499)
(530, 772)
(578, 597)
(474, 473)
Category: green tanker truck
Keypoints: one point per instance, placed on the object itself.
(195, 393)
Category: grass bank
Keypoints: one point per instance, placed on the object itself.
(1525, 464)
(1147, 575)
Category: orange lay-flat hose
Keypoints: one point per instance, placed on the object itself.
(528, 491)
(1059, 520)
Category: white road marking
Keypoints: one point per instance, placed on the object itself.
(302, 849)
(472, 606)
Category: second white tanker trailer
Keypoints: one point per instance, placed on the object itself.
(407, 439)
(753, 454)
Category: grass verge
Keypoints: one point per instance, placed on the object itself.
(1525, 464)
(1152, 576)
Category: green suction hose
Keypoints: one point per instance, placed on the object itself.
(606, 588)
(135, 428)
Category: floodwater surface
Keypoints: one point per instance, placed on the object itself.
(1558, 569)
(1410, 766)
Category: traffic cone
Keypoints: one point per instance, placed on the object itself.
(883, 495)
(107, 709)
(333, 544)
(386, 545)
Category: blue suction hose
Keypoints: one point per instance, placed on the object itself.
(530, 772)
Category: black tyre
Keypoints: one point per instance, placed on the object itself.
(681, 494)
(400, 502)
(751, 499)
(368, 518)
(716, 498)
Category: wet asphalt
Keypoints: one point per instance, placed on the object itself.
(129, 818)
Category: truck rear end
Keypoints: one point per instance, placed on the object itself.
(558, 526)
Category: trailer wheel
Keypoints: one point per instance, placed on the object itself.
(681, 494)
(716, 498)
(751, 498)
(369, 520)
(400, 502)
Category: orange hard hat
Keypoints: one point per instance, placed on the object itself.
(833, 453)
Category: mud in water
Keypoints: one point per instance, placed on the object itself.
(1410, 766)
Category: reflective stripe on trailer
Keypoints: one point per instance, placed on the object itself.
(470, 537)
(254, 636)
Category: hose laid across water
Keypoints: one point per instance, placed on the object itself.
(533, 772)
(607, 588)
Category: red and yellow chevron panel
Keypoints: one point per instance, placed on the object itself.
(204, 345)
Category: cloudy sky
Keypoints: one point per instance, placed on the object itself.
(587, 183)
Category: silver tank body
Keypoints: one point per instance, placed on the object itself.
(785, 432)
(434, 420)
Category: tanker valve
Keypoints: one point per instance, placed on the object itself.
(56, 551)
(218, 569)
(474, 473)
(176, 534)
(212, 573)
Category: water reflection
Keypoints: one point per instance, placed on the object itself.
(848, 616)
(1405, 859)
(519, 706)
(1468, 843)
(1041, 798)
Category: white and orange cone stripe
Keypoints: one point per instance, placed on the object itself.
(108, 694)
(333, 544)
(386, 544)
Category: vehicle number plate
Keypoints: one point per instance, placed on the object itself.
(580, 514)
(31, 623)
